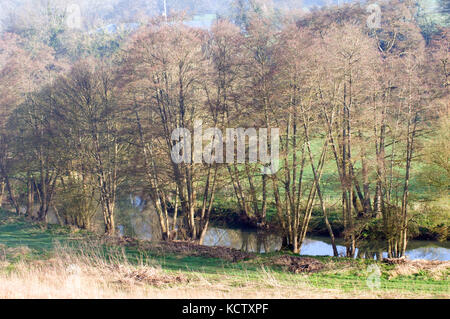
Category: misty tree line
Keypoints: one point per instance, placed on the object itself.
(350, 102)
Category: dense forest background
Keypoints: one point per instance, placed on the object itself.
(96, 13)
(87, 113)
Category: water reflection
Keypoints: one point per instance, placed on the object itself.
(253, 241)
(429, 253)
(143, 224)
(242, 239)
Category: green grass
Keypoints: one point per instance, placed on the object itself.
(16, 231)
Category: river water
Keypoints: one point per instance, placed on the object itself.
(253, 241)
(142, 223)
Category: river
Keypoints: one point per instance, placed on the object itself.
(143, 224)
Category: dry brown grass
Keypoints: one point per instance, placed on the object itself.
(437, 269)
(94, 273)
(13, 252)
(83, 273)
(74, 283)
(63, 279)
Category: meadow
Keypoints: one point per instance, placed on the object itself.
(49, 261)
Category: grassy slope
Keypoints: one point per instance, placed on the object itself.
(419, 189)
(344, 278)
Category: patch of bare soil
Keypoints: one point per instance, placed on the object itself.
(146, 275)
(297, 265)
(192, 249)
(124, 240)
(395, 261)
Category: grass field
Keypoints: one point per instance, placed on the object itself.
(37, 261)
